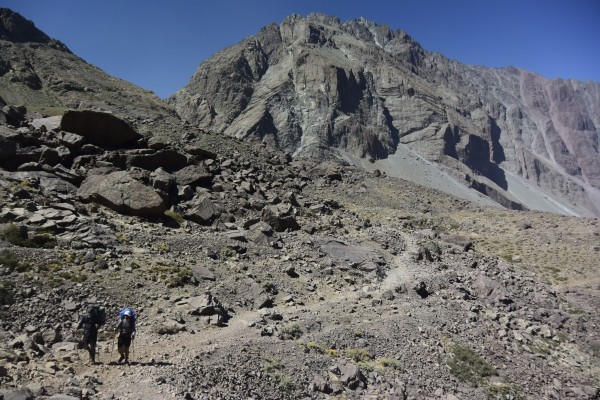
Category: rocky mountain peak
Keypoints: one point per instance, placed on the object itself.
(320, 88)
(15, 28)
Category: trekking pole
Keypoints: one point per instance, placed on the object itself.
(133, 345)
(112, 347)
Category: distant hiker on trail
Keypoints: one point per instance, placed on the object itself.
(126, 328)
(91, 321)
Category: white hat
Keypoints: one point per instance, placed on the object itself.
(128, 313)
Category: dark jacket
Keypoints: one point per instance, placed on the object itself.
(90, 329)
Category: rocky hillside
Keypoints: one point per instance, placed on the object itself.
(44, 75)
(256, 275)
(320, 88)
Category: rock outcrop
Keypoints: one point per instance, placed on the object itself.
(121, 192)
(319, 88)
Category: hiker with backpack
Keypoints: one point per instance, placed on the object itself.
(91, 321)
(126, 328)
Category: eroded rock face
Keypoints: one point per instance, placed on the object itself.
(314, 86)
(121, 192)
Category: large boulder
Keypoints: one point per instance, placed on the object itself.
(169, 160)
(19, 394)
(193, 175)
(203, 212)
(492, 290)
(101, 129)
(280, 217)
(121, 192)
(48, 123)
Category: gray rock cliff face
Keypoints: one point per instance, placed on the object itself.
(320, 88)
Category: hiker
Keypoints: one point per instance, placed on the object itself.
(126, 328)
(91, 321)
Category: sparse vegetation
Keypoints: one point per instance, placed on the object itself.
(274, 369)
(9, 260)
(123, 237)
(12, 234)
(358, 355)
(6, 296)
(503, 391)
(291, 331)
(174, 275)
(161, 246)
(175, 216)
(469, 366)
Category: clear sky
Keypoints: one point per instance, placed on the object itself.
(159, 44)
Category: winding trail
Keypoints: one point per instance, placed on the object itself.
(153, 355)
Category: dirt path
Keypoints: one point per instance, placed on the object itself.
(153, 355)
(402, 273)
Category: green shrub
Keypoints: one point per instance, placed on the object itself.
(388, 364)
(291, 331)
(433, 247)
(469, 366)
(9, 260)
(175, 216)
(357, 355)
(12, 235)
(504, 391)
(123, 237)
(274, 369)
(6, 296)
(162, 247)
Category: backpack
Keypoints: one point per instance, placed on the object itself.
(122, 315)
(97, 315)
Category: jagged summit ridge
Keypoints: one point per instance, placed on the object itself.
(321, 88)
(15, 28)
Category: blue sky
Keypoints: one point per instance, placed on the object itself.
(158, 44)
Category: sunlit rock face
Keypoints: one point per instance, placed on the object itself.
(317, 87)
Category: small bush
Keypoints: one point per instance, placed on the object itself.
(469, 366)
(504, 391)
(333, 353)
(274, 369)
(6, 296)
(123, 237)
(357, 355)
(388, 364)
(12, 234)
(175, 216)
(162, 247)
(9, 260)
(291, 331)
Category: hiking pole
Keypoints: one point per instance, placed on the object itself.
(112, 347)
(133, 345)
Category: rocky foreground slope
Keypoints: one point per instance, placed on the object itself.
(258, 276)
(255, 276)
(320, 88)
